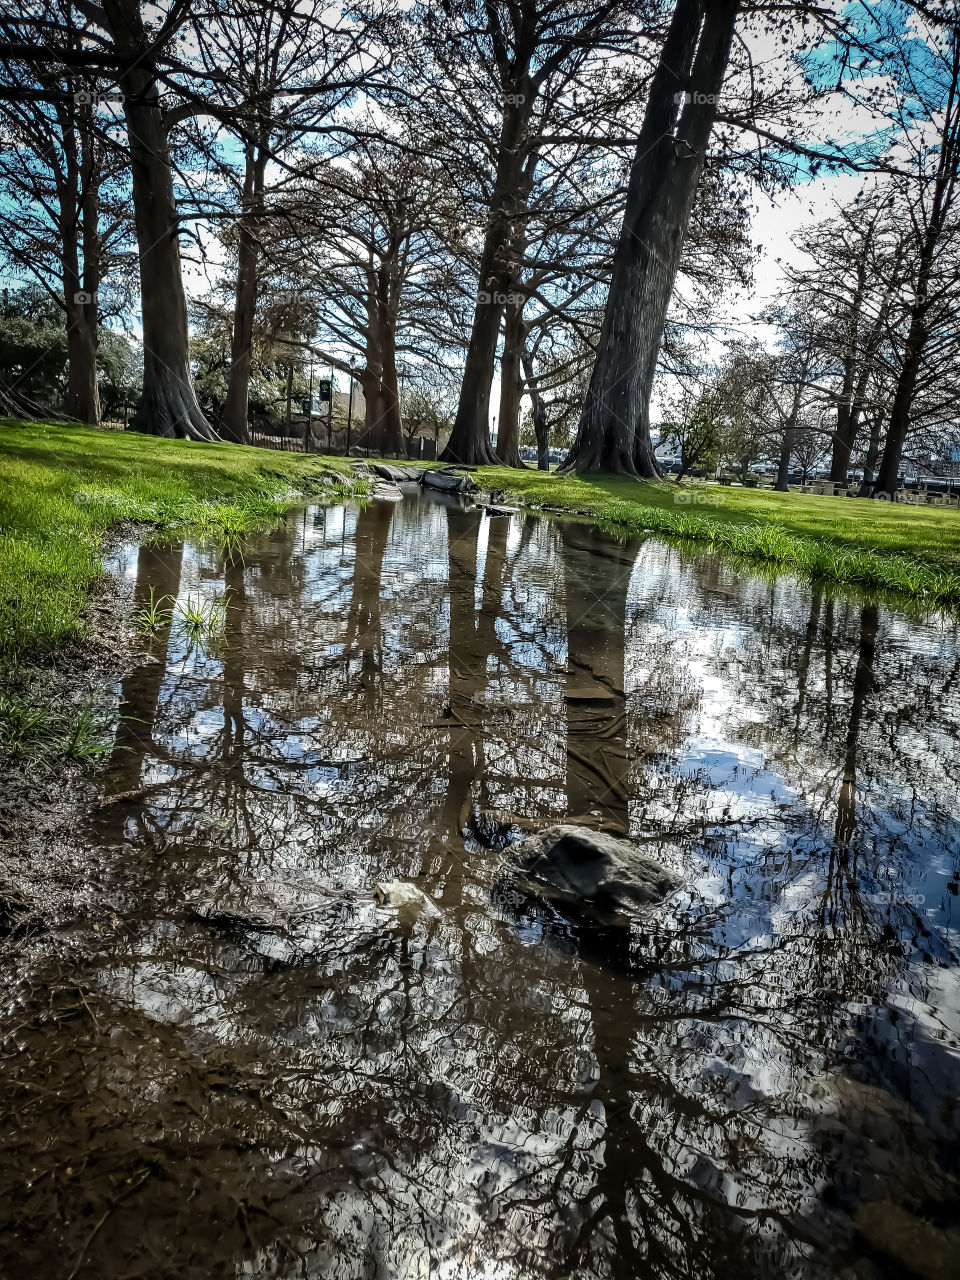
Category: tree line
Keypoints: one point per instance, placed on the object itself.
(546, 195)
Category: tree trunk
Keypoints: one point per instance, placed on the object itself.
(540, 425)
(82, 399)
(169, 404)
(78, 221)
(235, 408)
(383, 424)
(918, 334)
(783, 469)
(870, 461)
(470, 438)
(845, 434)
(371, 381)
(614, 431)
(888, 476)
(508, 430)
(842, 444)
(391, 423)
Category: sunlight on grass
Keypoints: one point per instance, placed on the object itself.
(888, 546)
(64, 487)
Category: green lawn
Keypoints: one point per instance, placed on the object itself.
(63, 487)
(894, 546)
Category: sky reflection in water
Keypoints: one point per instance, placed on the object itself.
(285, 1079)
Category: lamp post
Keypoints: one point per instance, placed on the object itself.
(353, 361)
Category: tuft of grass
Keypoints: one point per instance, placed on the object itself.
(63, 487)
(153, 617)
(85, 735)
(34, 730)
(199, 617)
(891, 547)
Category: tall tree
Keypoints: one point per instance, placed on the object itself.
(289, 66)
(63, 213)
(375, 228)
(502, 75)
(614, 431)
(928, 108)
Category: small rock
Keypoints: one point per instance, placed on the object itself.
(449, 482)
(579, 865)
(386, 492)
(399, 475)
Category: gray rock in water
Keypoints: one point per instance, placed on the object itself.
(449, 482)
(386, 492)
(578, 865)
(388, 471)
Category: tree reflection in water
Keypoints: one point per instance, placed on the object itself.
(266, 1073)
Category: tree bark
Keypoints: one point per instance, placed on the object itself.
(470, 438)
(508, 428)
(79, 223)
(235, 408)
(383, 423)
(888, 476)
(870, 461)
(614, 431)
(169, 404)
(846, 430)
(540, 425)
(783, 468)
(391, 424)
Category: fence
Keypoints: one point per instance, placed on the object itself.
(417, 449)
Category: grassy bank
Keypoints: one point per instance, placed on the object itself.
(62, 488)
(894, 547)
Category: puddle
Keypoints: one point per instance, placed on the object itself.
(261, 1067)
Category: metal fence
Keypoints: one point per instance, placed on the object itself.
(418, 449)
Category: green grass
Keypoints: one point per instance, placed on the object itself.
(38, 731)
(198, 617)
(63, 487)
(890, 546)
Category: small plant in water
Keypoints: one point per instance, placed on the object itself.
(154, 616)
(199, 617)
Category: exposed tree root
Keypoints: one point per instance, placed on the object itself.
(169, 408)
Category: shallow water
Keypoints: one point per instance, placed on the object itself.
(251, 1068)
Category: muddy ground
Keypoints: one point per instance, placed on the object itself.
(48, 880)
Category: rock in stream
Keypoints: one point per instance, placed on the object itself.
(577, 866)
